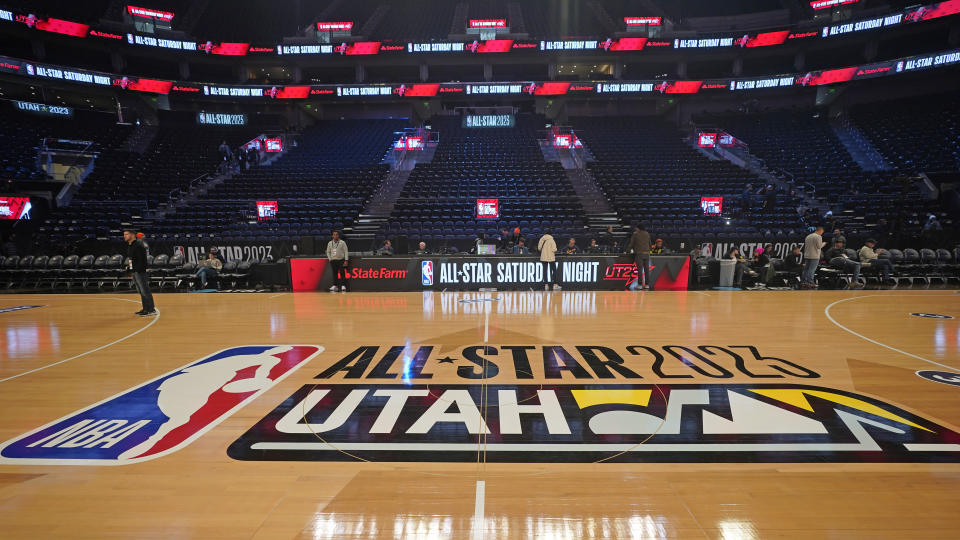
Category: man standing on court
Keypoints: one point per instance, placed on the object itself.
(640, 246)
(812, 246)
(137, 252)
(339, 257)
(547, 247)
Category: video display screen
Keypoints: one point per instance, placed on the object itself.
(44, 109)
(488, 208)
(150, 13)
(488, 120)
(566, 140)
(487, 23)
(267, 210)
(15, 207)
(712, 206)
(334, 26)
(642, 21)
(221, 119)
(273, 145)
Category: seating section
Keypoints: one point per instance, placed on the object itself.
(439, 198)
(257, 22)
(803, 145)
(90, 273)
(652, 176)
(914, 135)
(543, 20)
(331, 172)
(357, 12)
(21, 135)
(124, 185)
(180, 153)
(416, 20)
(88, 11)
(710, 8)
(321, 185)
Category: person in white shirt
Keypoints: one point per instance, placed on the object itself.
(871, 259)
(547, 247)
(339, 257)
(812, 247)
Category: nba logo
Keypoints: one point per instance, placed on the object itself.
(426, 272)
(163, 415)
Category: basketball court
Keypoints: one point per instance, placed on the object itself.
(481, 415)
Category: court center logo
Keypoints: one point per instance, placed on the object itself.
(593, 423)
(943, 377)
(163, 415)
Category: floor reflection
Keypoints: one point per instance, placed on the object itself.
(331, 526)
(27, 340)
(737, 530)
(565, 303)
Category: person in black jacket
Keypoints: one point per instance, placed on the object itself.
(794, 261)
(137, 251)
(837, 257)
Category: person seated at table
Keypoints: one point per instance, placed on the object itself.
(387, 248)
(760, 259)
(657, 247)
(480, 240)
(607, 239)
(506, 240)
(871, 259)
(762, 265)
(520, 248)
(794, 261)
(421, 249)
(594, 247)
(837, 257)
(741, 268)
(571, 248)
(208, 269)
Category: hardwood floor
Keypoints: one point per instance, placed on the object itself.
(566, 414)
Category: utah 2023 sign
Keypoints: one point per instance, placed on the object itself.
(350, 414)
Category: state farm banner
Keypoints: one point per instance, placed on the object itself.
(586, 272)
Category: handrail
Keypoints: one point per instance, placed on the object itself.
(197, 180)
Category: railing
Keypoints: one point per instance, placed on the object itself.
(177, 193)
(140, 204)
